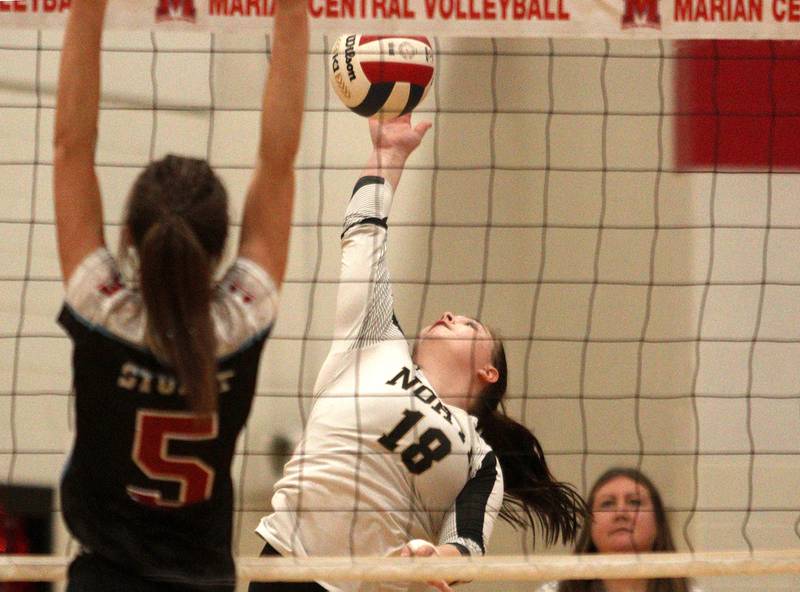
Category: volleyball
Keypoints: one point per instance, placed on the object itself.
(381, 75)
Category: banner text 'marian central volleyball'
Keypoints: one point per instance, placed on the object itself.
(676, 19)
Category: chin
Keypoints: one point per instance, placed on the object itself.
(617, 549)
(619, 546)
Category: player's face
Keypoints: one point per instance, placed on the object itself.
(460, 332)
(464, 342)
(623, 519)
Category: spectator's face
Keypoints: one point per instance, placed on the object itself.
(623, 520)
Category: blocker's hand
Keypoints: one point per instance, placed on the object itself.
(420, 548)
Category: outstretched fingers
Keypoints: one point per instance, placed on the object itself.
(422, 128)
(421, 548)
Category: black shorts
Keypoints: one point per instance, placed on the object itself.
(90, 572)
(268, 551)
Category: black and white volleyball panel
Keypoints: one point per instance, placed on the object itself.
(387, 75)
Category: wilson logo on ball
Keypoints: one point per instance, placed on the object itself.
(386, 75)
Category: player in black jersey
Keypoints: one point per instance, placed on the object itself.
(165, 363)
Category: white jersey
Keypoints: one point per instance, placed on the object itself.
(383, 460)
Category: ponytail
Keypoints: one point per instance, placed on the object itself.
(175, 278)
(178, 221)
(532, 495)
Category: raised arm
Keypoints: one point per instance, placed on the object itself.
(268, 207)
(364, 307)
(78, 208)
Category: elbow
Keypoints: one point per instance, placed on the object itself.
(68, 143)
(67, 152)
(278, 158)
(277, 170)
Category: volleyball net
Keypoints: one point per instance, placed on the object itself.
(626, 211)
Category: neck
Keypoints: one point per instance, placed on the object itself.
(625, 585)
(449, 387)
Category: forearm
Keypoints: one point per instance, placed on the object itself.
(268, 206)
(284, 93)
(79, 78)
(387, 163)
(470, 521)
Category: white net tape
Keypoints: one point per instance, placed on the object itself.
(509, 568)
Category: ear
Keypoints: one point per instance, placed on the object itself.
(489, 374)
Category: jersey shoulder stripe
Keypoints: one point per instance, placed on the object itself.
(243, 308)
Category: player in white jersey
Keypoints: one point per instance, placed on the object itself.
(393, 448)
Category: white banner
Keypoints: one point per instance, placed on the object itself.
(669, 19)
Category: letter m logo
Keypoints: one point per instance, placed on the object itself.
(170, 10)
(641, 13)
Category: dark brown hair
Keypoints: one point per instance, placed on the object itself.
(177, 217)
(662, 542)
(532, 495)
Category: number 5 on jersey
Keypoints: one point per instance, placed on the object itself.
(420, 456)
(154, 432)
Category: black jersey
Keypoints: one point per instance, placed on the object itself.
(148, 483)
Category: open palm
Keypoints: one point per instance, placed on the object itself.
(397, 134)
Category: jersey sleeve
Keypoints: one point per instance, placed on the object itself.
(245, 305)
(470, 521)
(364, 304)
(92, 288)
